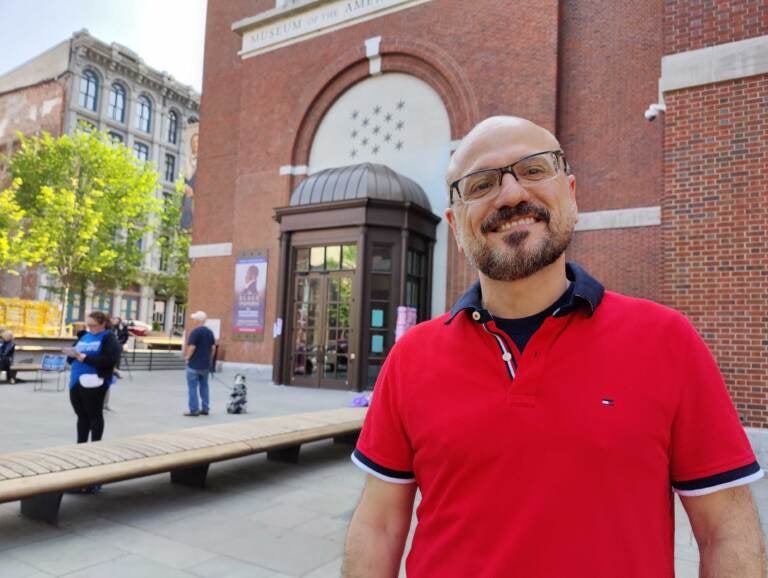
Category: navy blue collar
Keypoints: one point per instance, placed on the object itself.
(587, 294)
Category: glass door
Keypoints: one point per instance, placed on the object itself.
(337, 328)
(306, 331)
(321, 330)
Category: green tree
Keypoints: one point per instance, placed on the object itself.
(172, 277)
(11, 229)
(82, 206)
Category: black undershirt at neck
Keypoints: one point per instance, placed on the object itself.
(521, 330)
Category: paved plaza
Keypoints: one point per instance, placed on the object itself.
(255, 519)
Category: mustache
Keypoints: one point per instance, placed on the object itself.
(524, 209)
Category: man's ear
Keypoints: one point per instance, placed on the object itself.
(572, 194)
(450, 216)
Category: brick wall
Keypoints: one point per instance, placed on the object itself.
(692, 24)
(715, 214)
(28, 110)
(624, 260)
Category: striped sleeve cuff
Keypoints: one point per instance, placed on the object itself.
(730, 479)
(368, 465)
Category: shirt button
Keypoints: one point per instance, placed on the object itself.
(507, 356)
(476, 315)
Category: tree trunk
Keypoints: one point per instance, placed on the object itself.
(64, 304)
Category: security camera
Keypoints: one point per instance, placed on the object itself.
(653, 111)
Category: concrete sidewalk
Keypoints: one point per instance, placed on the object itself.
(255, 519)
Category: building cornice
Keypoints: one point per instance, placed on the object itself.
(121, 60)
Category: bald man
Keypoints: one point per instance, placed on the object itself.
(546, 421)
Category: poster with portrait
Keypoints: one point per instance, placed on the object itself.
(250, 295)
(190, 138)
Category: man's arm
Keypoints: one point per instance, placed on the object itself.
(190, 352)
(728, 533)
(378, 530)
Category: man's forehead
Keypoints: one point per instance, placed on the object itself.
(499, 136)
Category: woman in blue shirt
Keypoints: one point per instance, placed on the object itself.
(93, 359)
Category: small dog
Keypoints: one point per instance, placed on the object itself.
(238, 399)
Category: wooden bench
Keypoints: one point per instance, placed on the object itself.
(39, 477)
(26, 367)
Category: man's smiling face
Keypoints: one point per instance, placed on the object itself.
(514, 231)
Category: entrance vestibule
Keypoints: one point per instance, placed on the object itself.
(349, 259)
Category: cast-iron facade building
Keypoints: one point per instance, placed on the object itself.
(84, 84)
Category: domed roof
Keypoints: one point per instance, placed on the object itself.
(363, 181)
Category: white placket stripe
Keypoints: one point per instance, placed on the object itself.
(506, 354)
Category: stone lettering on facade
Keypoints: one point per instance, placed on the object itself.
(331, 16)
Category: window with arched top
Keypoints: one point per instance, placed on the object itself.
(117, 103)
(144, 114)
(173, 127)
(89, 89)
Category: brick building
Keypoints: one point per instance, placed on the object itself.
(301, 96)
(83, 83)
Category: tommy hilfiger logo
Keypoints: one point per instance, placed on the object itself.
(607, 402)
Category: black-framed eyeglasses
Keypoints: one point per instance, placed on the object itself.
(530, 170)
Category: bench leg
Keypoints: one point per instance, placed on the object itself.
(193, 477)
(288, 455)
(349, 439)
(44, 507)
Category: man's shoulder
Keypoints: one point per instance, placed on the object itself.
(201, 332)
(640, 312)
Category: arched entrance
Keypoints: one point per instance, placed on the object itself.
(357, 242)
(400, 121)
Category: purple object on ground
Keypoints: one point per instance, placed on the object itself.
(361, 400)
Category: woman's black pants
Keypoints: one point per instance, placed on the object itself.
(5, 365)
(88, 404)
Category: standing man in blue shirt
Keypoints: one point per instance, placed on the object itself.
(199, 355)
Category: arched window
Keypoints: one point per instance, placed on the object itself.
(117, 103)
(144, 114)
(173, 127)
(89, 89)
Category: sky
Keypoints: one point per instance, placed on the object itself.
(168, 34)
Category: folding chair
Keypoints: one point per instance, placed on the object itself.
(51, 363)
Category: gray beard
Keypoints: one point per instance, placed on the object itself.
(519, 263)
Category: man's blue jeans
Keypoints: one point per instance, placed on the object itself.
(197, 378)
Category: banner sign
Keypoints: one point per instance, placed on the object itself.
(250, 295)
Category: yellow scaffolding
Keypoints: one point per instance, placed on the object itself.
(30, 318)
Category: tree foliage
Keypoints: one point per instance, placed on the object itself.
(79, 206)
(172, 278)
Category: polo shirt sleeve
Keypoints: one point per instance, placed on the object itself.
(709, 449)
(383, 449)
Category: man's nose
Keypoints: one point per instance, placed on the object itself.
(511, 193)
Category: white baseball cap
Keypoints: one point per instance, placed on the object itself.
(199, 316)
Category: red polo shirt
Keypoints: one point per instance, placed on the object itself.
(560, 461)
